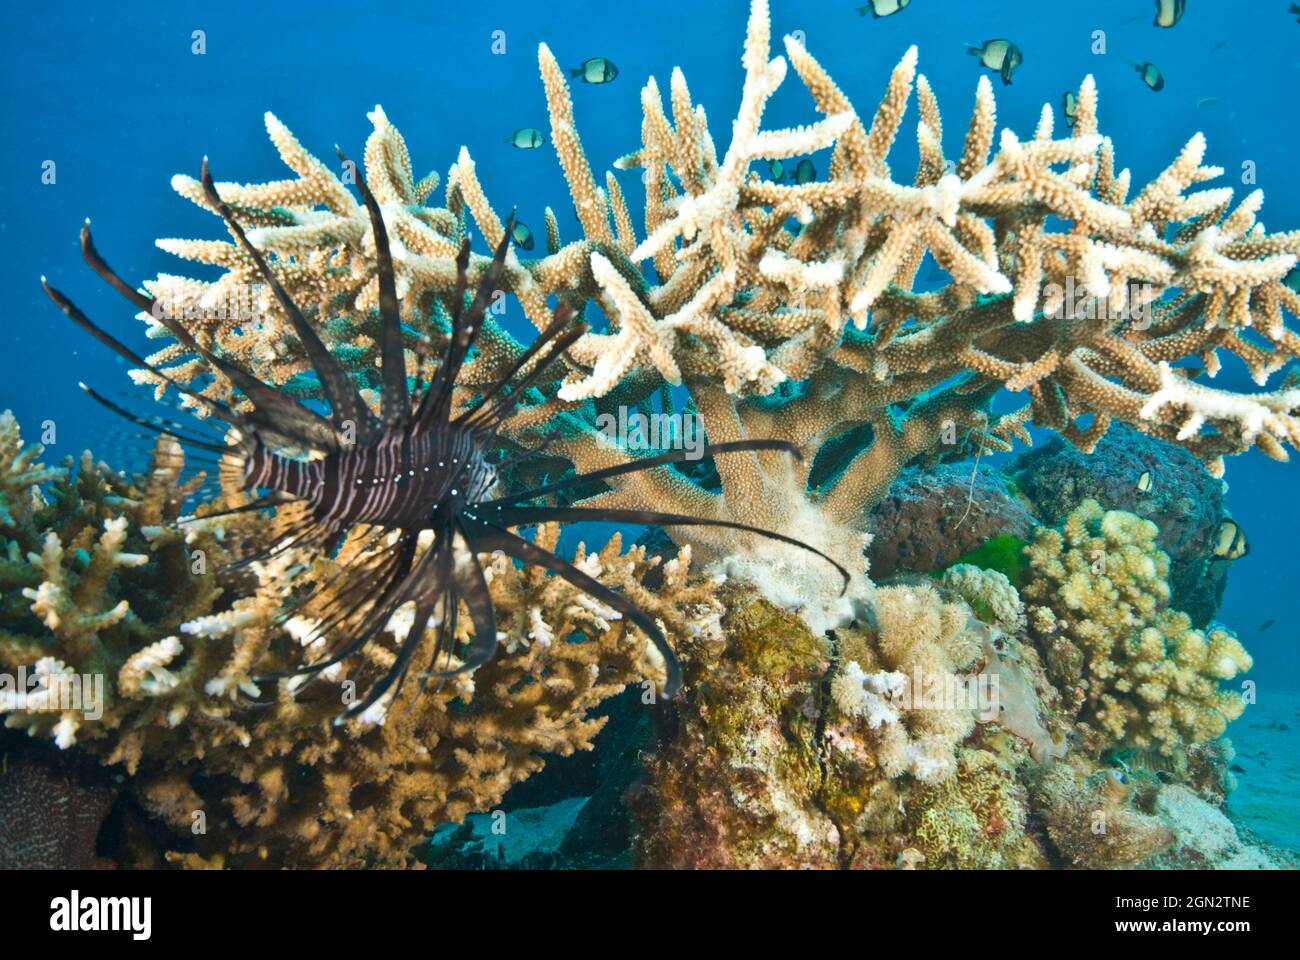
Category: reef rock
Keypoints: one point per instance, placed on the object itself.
(919, 525)
(1184, 502)
(737, 786)
(1204, 838)
(52, 808)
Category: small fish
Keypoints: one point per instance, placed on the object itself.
(805, 172)
(1000, 55)
(1206, 102)
(882, 8)
(1151, 75)
(1169, 12)
(522, 235)
(1230, 541)
(777, 169)
(1266, 624)
(526, 138)
(1292, 279)
(595, 70)
(1218, 46)
(1070, 107)
(1145, 482)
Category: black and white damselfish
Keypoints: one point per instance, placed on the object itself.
(417, 467)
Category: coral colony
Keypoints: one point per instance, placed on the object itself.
(977, 715)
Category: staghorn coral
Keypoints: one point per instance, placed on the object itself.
(1067, 283)
(1135, 672)
(279, 783)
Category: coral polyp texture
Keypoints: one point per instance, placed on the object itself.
(1136, 671)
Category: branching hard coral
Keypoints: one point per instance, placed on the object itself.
(1066, 283)
(1135, 671)
(280, 784)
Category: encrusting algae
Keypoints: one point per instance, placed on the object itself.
(794, 745)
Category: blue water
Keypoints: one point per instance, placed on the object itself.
(119, 102)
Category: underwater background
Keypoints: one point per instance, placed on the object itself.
(119, 102)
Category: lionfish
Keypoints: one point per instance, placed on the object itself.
(416, 467)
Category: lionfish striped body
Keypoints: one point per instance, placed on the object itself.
(416, 467)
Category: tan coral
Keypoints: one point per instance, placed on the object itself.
(121, 594)
(1141, 676)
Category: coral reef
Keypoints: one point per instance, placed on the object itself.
(1136, 672)
(1066, 283)
(1184, 502)
(990, 593)
(278, 783)
(739, 784)
(904, 688)
(796, 749)
(817, 730)
(930, 518)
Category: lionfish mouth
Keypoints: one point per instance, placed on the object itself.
(417, 467)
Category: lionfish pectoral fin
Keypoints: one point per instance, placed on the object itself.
(470, 585)
(346, 405)
(647, 463)
(396, 674)
(382, 592)
(486, 536)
